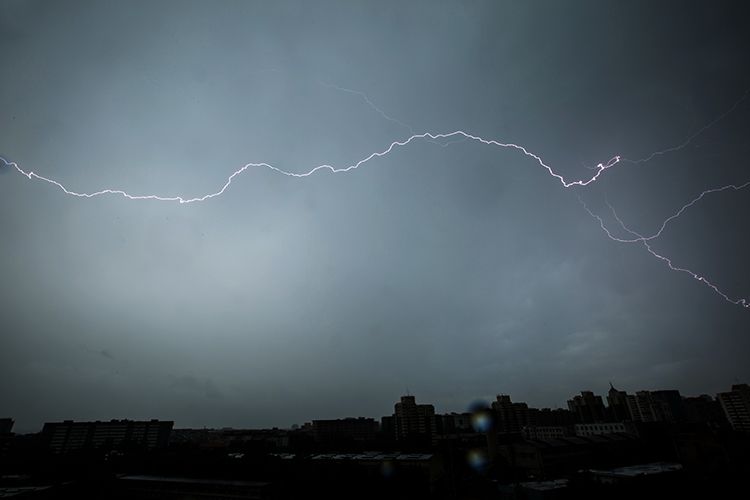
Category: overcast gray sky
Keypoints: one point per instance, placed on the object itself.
(455, 272)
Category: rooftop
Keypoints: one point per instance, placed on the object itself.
(640, 470)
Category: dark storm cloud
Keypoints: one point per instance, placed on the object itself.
(456, 272)
(107, 354)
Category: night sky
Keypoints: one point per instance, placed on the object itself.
(453, 272)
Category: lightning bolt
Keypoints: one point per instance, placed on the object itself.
(599, 169)
(382, 113)
(458, 136)
(367, 101)
(672, 217)
(692, 136)
(646, 240)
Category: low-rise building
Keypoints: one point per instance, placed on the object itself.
(68, 435)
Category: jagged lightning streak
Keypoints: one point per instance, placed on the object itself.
(599, 169)
(734, 187)
(371, 104)
(382, 113)
(428, 136)
(646, 240)
(692, 136)
(462, 136)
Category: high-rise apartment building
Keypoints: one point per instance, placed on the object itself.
(617, 402)
(736, 406)
(510, 417)
(414, 421)
(588, 408)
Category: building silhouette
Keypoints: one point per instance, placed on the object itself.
(671, 401)
(647, 406)
(617, 402)
(414, 422)
(601, 428)
(454, 423)
(548, 416)
(704, 409)
(588, 408)
(6, 425)
(545, 431)
(510, 417)
(736, 406)
(344, 429)
(62, 437)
